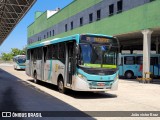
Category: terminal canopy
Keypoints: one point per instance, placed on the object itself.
(11, 12)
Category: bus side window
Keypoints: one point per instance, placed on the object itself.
(154, 60)
(34, 55)
(28, 54)
(50, 49)
(39, 53)
(45, 50)
(159, 60)
(129, 60)
(139, 60)
(54, 51)
(61, 51)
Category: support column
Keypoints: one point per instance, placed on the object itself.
(146, 50)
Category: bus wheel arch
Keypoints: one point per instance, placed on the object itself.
(60, 84)
(129, 74)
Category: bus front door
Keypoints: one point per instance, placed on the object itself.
(28, 63)
(69, 65)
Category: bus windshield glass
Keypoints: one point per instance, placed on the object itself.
(21, 59)
(98, 52)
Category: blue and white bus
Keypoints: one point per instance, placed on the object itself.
(19, 62)
(131, 65)
(85, 62)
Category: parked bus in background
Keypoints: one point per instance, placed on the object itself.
(131, 65)
(85, 62)
(19, 62)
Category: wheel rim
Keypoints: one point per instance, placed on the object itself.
(35, 78)
(60, 86)
(129, 75)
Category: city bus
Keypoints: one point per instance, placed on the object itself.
(131, 65)
(86, 62)
(19, 62)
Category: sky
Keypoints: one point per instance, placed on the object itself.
(18, 37)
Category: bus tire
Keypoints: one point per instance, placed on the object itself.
(61, 87)
(129, 74)
(35, 77)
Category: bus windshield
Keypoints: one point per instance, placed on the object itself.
(21, 59)
(98, 52)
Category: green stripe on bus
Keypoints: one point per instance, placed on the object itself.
(99, 65)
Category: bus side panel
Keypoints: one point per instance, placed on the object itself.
(49, 71)
(132, 68)
(135, 68)
(39, 69)
(28, 72)
(46, 70)
(53, 73)
(59, 70)
(138, 71)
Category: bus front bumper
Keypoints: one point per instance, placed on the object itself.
(84, 85)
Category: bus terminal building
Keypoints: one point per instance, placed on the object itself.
(136, 23)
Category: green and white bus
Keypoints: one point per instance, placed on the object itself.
(19, 62)
(86, 62)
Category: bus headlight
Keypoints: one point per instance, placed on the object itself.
(116, 77)
(82, 77)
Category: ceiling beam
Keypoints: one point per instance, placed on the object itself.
(11, 12)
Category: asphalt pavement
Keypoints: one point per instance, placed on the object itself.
(16, 95)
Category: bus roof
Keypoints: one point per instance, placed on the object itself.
(58, 40)
(19, 55)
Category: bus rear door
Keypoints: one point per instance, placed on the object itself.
(154, 67)
(44, 65)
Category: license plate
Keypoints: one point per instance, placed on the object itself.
(100, 84)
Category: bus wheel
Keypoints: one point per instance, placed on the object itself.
(129, 74)
(61, 87)
(35, 77)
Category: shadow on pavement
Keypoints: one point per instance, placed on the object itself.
(156, 81)
(16, 96)
(77, 94)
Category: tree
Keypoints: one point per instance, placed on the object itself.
(24, 50)
(16, 51)
(6, 56)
